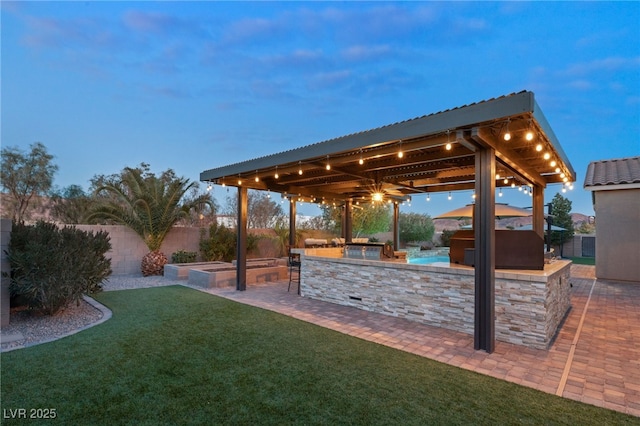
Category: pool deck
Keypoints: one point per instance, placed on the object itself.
(594, 359)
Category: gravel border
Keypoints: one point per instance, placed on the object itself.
(27, 328)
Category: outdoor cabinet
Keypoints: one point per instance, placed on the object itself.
(514, 249)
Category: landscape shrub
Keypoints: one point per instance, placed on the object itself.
(445, 238)
(220, 245)
(182, 256)
(52, 267)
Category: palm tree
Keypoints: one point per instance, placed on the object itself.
(149, 205)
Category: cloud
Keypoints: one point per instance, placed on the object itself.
(330, 79)
(145, 22)
(363, 53)
(68, 34)
(610, 64)
(581, 84)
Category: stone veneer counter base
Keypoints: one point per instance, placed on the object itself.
(529, 305)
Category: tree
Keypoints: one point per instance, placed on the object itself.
(415, 227)
(561, 216)
(25, 175)
(148, 204)
(71, 205)
(262, 211)
(365, 218)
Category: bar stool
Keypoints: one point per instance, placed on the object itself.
(294, 266)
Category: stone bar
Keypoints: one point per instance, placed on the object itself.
(529, 305)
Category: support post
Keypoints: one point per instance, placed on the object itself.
(292, 222)
(396, 226)
(348, 222)
(241, 247)
(484, 229)
(538, 210)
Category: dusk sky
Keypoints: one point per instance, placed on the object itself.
(197, 85)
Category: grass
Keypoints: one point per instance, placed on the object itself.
(583, 260)
(173, 355)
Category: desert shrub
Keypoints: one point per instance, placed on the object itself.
(52, 267)
(445, 238)
(182, 256)
(221, 243)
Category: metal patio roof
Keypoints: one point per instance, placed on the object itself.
(332, 170)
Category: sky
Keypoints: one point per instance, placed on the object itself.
(197, 85)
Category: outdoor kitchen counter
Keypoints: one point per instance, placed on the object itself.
(529, 305)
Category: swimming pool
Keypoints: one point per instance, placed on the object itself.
(428, 260)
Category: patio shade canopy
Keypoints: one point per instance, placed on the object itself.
(501, 211)
(413, 157)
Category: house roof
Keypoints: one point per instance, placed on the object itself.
(366, 161)
(612, 174)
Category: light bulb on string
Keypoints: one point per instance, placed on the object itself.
(500, 192)
(507, 134)
(449, 197)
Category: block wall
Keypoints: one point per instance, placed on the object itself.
(127, 248)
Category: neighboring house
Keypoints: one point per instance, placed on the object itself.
(615, 186)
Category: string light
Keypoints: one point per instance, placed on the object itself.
(448, 145)
(361, 160)
(277, 176)
(529, 135)
(449, 197)
(428, 197)
(300, 167)
(546, 156)
(257, 178)
(400, 153)
(506, 181)
(507, 134)
(473, 195)
(539, 147)
(500, 192)
(328, 167)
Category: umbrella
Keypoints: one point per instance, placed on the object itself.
(502, 211)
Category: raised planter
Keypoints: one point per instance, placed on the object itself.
(226, 276)
(180, 271)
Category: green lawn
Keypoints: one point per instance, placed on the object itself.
(583, 260)
(174, 355)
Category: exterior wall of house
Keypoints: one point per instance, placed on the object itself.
(618, 231)
(5, 236)
(529, 306)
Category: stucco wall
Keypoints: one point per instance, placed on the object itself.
(529, 307)
(618, 231)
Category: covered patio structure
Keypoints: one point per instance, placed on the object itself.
(498, 142)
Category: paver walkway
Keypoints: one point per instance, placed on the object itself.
(594, 359)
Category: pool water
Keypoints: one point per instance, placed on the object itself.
(428, 260)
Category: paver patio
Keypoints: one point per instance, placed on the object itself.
(595, 357)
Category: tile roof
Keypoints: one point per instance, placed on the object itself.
(621, 171)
